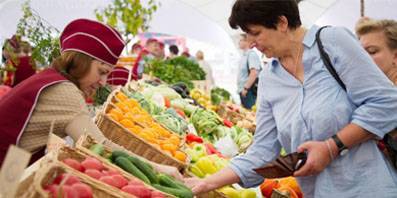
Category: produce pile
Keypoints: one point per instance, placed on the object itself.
(129, 113)
(144, 172)
(178, 69)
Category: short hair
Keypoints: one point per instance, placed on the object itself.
(150, 41)
(388, 27)
(264, 12)
(73, 65)
(174, 49)
(200, 55)
(136, 46)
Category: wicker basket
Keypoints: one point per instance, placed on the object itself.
(25, 188)
(121, 136)
(32, 187)
(86, 141)
(66, 152)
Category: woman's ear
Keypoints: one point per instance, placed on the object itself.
(282, 24)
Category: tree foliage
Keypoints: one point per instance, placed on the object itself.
(41, 35)
(129, 16)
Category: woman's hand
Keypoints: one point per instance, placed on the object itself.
(318, 157)
(169, 170)
(197, 185)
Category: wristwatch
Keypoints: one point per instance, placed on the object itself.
(245, 88)
(342, 149)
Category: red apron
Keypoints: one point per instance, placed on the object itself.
(17, 106)
(24, 70)
(135, 75)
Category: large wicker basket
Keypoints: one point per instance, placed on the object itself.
(86, 141)
(66, 152)
(34, 185)
(121, 136)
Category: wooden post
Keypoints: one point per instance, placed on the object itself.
(362, 8)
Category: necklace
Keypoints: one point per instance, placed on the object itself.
(297, 58)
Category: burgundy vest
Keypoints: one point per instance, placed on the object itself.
(24, 70)
(17, 106)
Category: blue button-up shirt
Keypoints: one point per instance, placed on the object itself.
(291, 113)
(249, 60)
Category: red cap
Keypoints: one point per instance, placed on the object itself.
(94, 39)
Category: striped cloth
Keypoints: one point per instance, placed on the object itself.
(119, 76)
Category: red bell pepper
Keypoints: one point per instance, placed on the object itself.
(228, 123)
(193, 138)
(167, 102)
(212, 150)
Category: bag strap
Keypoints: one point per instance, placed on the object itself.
(327, 61)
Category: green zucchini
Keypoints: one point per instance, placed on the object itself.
(97, 149)
(145, 168)
(174, 191)
(128, 166)
(169, 181)
(116, 154)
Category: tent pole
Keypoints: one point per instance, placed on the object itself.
(362, 8)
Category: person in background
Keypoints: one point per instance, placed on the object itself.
(379, 39)
(160, 52)
(136, 49)
(152, 46)
(187, 54)
(25, 65)
(206, 67)
(249, 68)
(302, 108)
(174, 51)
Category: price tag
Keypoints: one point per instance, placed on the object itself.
(14, 163)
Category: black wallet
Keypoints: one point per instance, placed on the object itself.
(283, 166)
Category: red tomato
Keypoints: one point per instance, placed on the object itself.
(74, 164)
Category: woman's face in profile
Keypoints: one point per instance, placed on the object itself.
(95, 78)
(375, 44)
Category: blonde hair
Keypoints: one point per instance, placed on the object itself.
(200, 55)
(388, 27)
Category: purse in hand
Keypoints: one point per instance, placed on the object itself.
(283, 166)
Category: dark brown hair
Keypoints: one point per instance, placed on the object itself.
(73, 65)
(264, 12)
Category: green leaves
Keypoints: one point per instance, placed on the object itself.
(129, 16)
(178, 69)
(40, 35)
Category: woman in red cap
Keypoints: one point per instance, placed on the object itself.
(89, 51)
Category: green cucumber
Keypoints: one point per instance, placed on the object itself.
(128, 166)
(169, 181)
(116, 154)
(145, 168)
(174, 191)
(97, 149)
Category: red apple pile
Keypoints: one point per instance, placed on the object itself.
(71, 187)
(95, 169)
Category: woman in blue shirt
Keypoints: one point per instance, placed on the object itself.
(302, 107)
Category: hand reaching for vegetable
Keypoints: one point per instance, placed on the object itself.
(169, 170)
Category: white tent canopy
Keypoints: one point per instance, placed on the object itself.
(202, 20)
